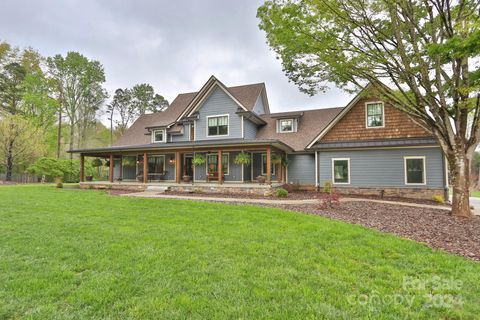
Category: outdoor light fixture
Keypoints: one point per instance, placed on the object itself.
(172, 160)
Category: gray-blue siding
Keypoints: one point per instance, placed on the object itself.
(218, 103)
(183, 137)
(250, 130)
(259, 108)
(383, 168)
(301, 169)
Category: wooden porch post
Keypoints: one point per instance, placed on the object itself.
(220, 167)
(145, 167)
(82, 168)
(110, 173)
(178, 167)
(279, 172)
(269, 164)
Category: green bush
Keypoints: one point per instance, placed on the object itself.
(328, 187)
(438, 198)
(282, 193)
(53, 168)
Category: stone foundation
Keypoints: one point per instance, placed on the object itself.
(113, 186)
(412, 193)
(221, 189)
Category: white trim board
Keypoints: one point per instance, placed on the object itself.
(424, 173)
(333, 170)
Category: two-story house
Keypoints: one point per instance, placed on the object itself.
(367, 147)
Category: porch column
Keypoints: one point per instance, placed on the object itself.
(178, 171)
(269, 164)
(82, 168)
(220, 167)
(279, 172)
(110, 172)
(145, 167)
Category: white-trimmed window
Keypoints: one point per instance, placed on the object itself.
(212, 163)
(415, 170)
(285, 125)
(159, 136)
(341, 170)
(264, 166)
(375, 115)
(217, 125)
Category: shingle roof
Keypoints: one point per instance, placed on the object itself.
(310, 124)
(247, 95)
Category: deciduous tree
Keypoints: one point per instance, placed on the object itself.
(421, 55)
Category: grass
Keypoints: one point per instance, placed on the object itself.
(72, 254)
(475, 194)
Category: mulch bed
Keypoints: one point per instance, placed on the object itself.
(298, 195)
(434, 227)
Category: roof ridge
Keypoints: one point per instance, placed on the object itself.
(304, 110)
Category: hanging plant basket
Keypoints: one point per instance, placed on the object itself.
(243, 158)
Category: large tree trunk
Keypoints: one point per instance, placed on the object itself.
(460, 174)
(9, 162)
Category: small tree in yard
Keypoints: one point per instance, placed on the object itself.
(427, 52)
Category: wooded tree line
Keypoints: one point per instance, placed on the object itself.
(49, 105)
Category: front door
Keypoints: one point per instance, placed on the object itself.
(188, 167)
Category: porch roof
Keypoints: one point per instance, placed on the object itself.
(197, 145)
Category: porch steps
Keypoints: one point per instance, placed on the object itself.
(157, 189)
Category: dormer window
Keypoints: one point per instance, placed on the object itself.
(375, 116)
(158, 136)
(285, 125)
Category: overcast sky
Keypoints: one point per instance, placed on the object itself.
(173, 45)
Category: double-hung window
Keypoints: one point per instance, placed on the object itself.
(415, 170)
(217, 126)
(341, 170)
(158, 136)
(285, 125)
(375, 115)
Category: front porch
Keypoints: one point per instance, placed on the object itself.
(192, 187)
(176, 169)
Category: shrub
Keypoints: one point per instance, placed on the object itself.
(282, 193)
(58, 183)
(328, 200)
(52, 168)
(328, 187)
(438, 198)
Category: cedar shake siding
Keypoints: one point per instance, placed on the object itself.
(353, 125)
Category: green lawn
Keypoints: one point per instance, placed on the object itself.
(475, 194)
(74, 254)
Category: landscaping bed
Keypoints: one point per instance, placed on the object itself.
(297, 195)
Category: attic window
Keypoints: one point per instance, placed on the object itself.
(285, 125)
(375, 115)
(158, 136)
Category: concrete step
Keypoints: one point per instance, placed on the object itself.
(157, 189)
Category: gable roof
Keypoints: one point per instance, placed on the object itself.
(339, 116)
(309, 125)
(136, 134)
(245, 96)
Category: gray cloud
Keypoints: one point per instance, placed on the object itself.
(173, 45)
